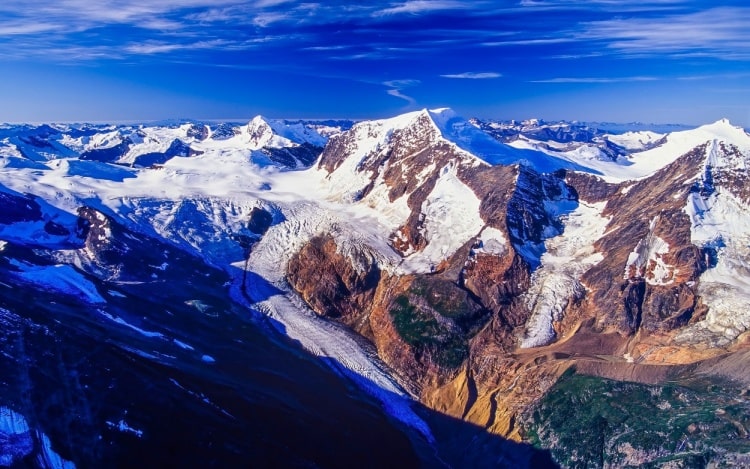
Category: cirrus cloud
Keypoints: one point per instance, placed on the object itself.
(473, 75)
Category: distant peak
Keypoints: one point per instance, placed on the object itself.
(723, 125)
(258, 120)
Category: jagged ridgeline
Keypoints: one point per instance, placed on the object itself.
(479, 292)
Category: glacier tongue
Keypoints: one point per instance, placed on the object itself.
(350, 355)
(557, 282)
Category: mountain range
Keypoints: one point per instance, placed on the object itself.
(467, 293)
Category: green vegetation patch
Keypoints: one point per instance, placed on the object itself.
(590, 422)
(430, 339)
(450, 301)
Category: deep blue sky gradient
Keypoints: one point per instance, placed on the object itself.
(662, 61)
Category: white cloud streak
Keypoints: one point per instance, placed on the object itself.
(473, 75)
(716, 32)
(148, 48)
(595, 79)
(396, 87)
(415, 7)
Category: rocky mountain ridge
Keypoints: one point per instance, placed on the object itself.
(572, 258)
(474, 272)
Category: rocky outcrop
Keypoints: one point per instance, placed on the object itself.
(303, 155)
(648, 254)
(108, 154)
(332, 285)
(113, 252)
(177, 148)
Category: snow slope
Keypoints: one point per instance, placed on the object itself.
(641, 164)
(221, 186)
(202, 202)
(451, 219)
(720, 223)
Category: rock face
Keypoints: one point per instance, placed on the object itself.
(563, 262)
(108, 154)
(332, 286)
(287, 144)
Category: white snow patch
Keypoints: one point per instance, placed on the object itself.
(122, 322)
(12, 423)
(450, 218)
(17, 442)
(123, 427)
(49, 458)
(208, 359)
(647, 260)
(721, 222)
(492, 242)
(634, 141)
(59, 278)
(183, 345)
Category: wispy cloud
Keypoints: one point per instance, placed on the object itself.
(415, 7)
(396, 87)
(20, 28)
(717, 32)
(595, 79)
(473, 75)
(609, 5)
(148, 48)
(266, 18)
(529, 42)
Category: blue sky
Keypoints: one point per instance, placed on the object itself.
(662, 61)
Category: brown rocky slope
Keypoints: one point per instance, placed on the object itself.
(452, 334)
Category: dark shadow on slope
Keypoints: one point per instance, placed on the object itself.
(99, 170)
(457, 442)
(169, 371)
(166, 383)
(257, 288)
(535, 212)
(39, 223)
(224, 396)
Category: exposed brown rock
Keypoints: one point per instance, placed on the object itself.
(452, 336)
(496, 281)
(589, 187)
(332, 287)
(618, 294)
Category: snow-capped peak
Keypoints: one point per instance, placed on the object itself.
(274, 133)
(724, 130)
(468, 137)
(260, 134)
